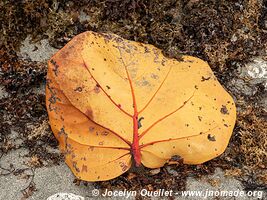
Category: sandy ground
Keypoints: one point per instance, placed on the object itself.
(59, 179)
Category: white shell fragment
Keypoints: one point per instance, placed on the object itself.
(65, 196)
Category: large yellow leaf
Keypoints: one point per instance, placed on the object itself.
(114, 103)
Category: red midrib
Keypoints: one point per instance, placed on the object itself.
(135, 145)
(135, 148)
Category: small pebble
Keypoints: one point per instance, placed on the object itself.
(65, 196)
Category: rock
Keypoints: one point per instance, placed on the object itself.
(249, 76)
(172, 171)
(257, 71)
(39, 52)
(240, 87)
(65, 196)
(154, 171)
(83, 17)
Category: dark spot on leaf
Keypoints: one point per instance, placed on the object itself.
(156, 53)
(118, 39)
(196, 87)
(204, 79)
(199, 118)
(190, 61)
(123, 166)
(105, 59)
(56, 66)
(107, 37)
(84, 168)
(224, 110)
(62, 132)
(163, 62)
(91, 148)
(139, 122)
(89, 113)
(78, 89)
(107, 87)
(53, 99)
(97, 88)
(91, 128)
(225, 125)
(104, 133)
(83, 158)
(154, 76)
(74, 164)
(211, 138)
(52, 62)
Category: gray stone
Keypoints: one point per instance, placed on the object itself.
(40, 51)
(249, 76)
(257, 71)
(65, 196)
(83, 17)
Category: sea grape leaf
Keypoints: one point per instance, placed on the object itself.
(115, 103)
